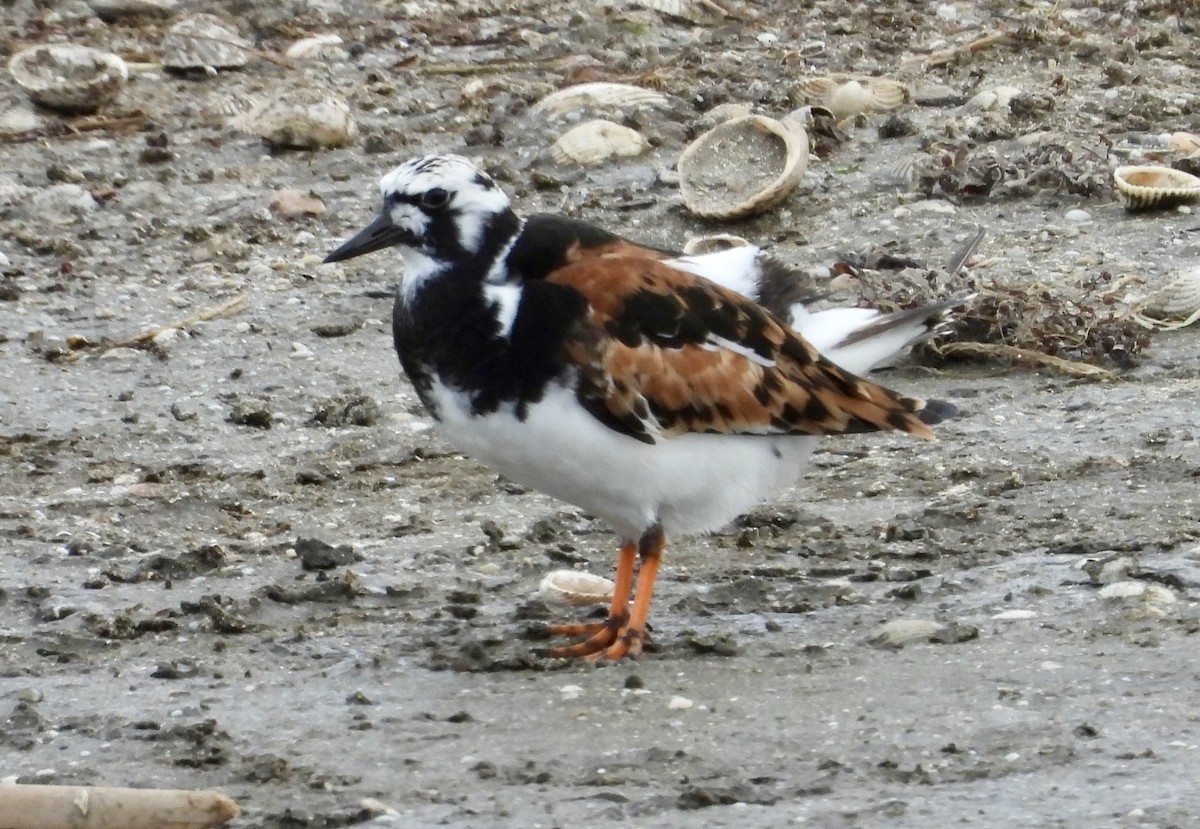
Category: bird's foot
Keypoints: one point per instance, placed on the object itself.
(610, 639)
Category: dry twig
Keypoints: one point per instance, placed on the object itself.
(229, 306)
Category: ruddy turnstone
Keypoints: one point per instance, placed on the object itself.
(617, 377)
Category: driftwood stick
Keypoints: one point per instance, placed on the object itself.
(96, 807)
(229, 306)
(1025, 355)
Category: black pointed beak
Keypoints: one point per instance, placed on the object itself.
(379, 234)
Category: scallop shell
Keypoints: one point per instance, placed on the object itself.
(203, 41)
(16, 118)
(1177, 303)
(109, 10)
(595, 141)
(619, 97)
(575, 588)
(302, 118)
(318, 47)
(1155, 188)
(742, 167)
(693, 11)
(848, 95)
(68, 77)
(699, 245)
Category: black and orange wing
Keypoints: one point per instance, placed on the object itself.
(666, 353)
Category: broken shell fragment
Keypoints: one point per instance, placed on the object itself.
(302, 118)
(68, 77)
(699, 245)
(1175, 305)
(742, 167)
(849, 95)
(693, 11)
(595, 141)
(1155, 188)
(575, 588)
(318, 47)
(613, 97)
(202, 41)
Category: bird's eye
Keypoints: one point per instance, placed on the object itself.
(435, 199)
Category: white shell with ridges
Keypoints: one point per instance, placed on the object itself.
(575, 588)
(612, 97)
(595, 141)
(203, 41)
(1154, 187)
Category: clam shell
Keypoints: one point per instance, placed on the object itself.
(693, 11)
(317, 47)
(1184, 142)
(203, 41)
(68, 77)
(742, 167)
(698, 245)
(1155, 188)
(595, 141)
(618, 97)
(109, 10)
(848, 95)
(302, 118)
(17, 118)
(575, 588)
(1178, 301)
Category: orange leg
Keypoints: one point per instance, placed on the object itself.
(622, 632)
(601, 634)
(634, 635)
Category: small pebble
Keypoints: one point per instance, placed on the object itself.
(680, 704)
(1078, 216)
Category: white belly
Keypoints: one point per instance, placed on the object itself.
(690, 484)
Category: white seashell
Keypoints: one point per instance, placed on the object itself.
(1184, 142)
(68, 77)
(899, 632)
(1155, 188)
(1175, 305)
(203, 41)
(698, 245)
(989, 100)
(18, 118)
(303, 118)
(849, 95)
(226, 108)
(693, 11)
(108, 10)
(619, 97)
(574, 588)
(595, 141)
(742, 167)
(318, 47)
(1147, 592)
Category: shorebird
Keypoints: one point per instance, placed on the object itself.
(645, 387)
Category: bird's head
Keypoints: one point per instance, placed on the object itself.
(442, 207)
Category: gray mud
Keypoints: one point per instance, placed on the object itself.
(166, 621)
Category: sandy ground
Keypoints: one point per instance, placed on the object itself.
(996, 629)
